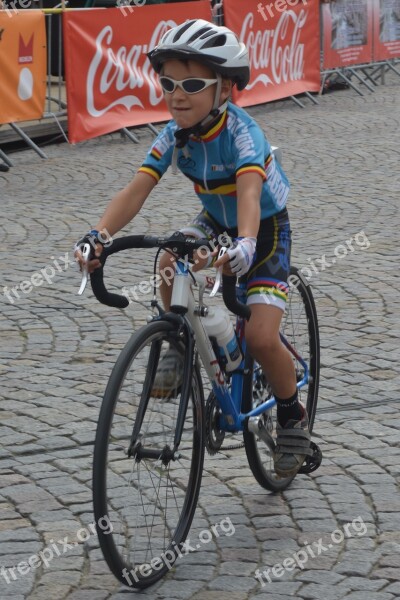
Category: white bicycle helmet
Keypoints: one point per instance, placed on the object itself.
(212, 45)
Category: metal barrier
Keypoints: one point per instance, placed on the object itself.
(372, 73)
(56, 96)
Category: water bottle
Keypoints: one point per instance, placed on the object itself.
(180, 291)
(218, 325)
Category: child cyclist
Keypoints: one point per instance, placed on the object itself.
(243, 190)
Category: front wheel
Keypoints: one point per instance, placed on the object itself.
(300, 328)
(145, 489)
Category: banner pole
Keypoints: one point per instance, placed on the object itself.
(6, 159)
(152, 128)
(370, 76)
(129, 135)
(296, 101)
(389, 64)
(28, 140)
(347, 80)
(360, 79)
(311, 97)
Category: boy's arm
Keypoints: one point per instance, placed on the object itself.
(248, 189)
(126, 204)
(123, 207)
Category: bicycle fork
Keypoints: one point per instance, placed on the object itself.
(136, 449)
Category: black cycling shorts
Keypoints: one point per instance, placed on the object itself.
(268, 275)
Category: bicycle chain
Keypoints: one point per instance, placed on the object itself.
(234, 446)
(215, 437)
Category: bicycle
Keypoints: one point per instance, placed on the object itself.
(149, 451)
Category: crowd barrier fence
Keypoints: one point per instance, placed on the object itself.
(360, 37)
(58, 95)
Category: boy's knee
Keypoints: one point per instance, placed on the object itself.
(166, 269)
(166, 260)
(261, 345)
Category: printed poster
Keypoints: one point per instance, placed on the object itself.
(22, 65)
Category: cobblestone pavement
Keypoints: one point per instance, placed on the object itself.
(342, 157)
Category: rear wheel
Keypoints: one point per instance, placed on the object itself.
(300, 329)
(145, 489)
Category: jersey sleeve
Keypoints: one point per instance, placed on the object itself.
(159, 156)
(251, 149)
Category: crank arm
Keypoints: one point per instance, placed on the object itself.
(255, 425)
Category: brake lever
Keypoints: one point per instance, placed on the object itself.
(85, 273)
(218, 278)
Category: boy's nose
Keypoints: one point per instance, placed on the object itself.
(178, 93)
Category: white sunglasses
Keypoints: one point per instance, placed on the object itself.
(192, 85)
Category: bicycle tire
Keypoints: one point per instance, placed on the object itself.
(119, 480)
(300, 321)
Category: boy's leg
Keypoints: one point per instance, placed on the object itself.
(262, 337)
(293, 438)
(267, 291)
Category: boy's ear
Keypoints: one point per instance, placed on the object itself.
(226, 89)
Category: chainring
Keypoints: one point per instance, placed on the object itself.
(214, 436)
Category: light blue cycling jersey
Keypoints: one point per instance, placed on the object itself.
(234, 146)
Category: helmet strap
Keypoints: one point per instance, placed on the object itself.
(216, 109)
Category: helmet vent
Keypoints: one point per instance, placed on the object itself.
(215, 42)
(199, 33)
(207, 34)
(182, 30)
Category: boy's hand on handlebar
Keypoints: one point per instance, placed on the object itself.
(91, 264)
(223, 262)
(96, 248)
(238, 259)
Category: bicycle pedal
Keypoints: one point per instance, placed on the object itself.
(312, 462)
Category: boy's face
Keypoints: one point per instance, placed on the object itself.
(189, 109)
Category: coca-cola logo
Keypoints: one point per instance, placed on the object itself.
(113, 71)
(277, 50)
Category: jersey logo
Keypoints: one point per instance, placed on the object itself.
(186, 162)
(222, 167)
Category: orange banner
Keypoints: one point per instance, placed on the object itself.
(283, 46)
(110, 81)
(347, 33)
(22, 65)
(386, 29)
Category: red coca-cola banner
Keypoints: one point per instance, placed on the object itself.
(110, 81)
(283, 46)
(386, 29)
(347, 33)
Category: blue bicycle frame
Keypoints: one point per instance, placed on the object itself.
(230, 400)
